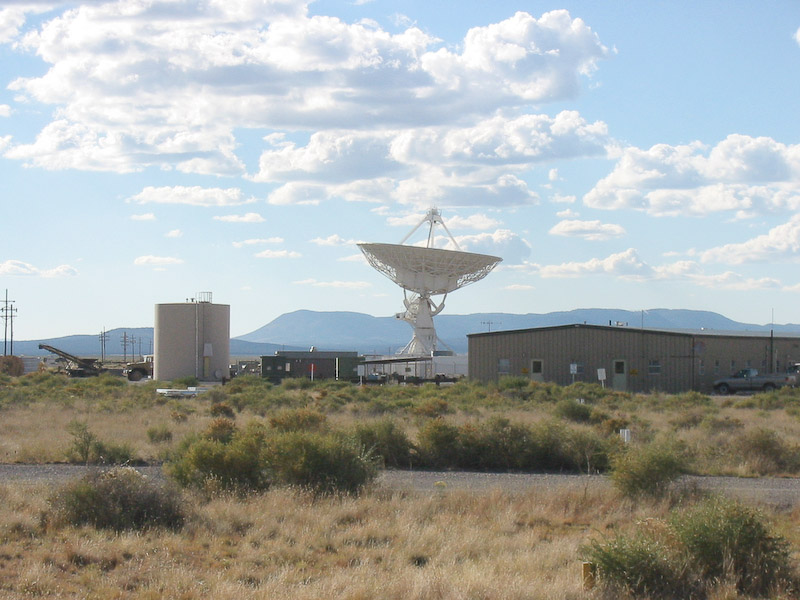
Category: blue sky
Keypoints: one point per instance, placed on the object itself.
(626, 155)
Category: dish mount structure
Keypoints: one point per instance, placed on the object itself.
(423, 272)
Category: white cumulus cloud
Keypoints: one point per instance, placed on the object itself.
(781, 243)
(250, 217)
(156, 261)
(258, 242)
(742, 175)
(398, 117)
(191, 195)
(18, 268)
(588, 230)
(333, 240)
(278, 254)
(626, 265)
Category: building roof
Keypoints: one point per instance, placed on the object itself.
(626, 328)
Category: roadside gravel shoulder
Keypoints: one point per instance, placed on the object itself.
(782, 492)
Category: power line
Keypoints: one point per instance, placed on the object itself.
(8, 313)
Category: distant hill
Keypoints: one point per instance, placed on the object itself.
(89, 345)
(301, 329)
(384, 335)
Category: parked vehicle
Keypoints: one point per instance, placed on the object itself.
(76, 366)
(137, 371)
(749, 380)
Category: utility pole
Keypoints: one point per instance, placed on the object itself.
(8, 311)
(490, 323)
(125, 346)
(103, 338)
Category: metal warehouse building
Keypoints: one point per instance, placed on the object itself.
(627, 358)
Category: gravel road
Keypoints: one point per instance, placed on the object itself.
(783, 493)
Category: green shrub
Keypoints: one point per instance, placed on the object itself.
(12, 365)
(641, 566)
(299, 419)
(387, 441)
(321, 463)
(497, 445)
(439, 444)
(590, 450)
(431, 407)
(700, 548)
(728, 541)
(118, 499)
(573, 410)
(221, 409)
(190, 381)
(159, 434)
(220, 430)
(764, 452)
(87, 449)
(237, 465)
(647, 470)
(513, 382)
(297, 383)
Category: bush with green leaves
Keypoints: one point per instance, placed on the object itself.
(118, 499)
(387, 441)
(647, 470)
(321, 463)
(711, 544)
(641, 565)
(731, 542)
(299, 419)
(254, 458)
(764, 452)
(87, 449)
(159, 434)
(573, 410)
(439, 444)
(234, 461)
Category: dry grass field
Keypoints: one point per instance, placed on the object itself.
(290, 543)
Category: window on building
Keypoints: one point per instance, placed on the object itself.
(503, 366)
(537, 367)
(654, 367)
(701, 367)
(619, 367)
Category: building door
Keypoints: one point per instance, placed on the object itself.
(619, 380)
(537, 369)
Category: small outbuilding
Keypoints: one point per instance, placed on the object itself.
(627, 358)
(313, 364)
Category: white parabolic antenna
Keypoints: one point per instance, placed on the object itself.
(426, 271)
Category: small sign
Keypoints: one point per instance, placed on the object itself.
(601, 374)
(573, 368)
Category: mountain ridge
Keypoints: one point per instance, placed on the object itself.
(367, 334)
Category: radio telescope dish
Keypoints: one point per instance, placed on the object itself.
(425, 272)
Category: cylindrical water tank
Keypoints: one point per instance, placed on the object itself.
(192, 339)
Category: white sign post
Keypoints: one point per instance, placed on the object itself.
(601, 376)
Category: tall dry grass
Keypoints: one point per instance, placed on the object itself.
(285, 545)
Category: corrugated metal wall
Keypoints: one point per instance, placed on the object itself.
(635, 360)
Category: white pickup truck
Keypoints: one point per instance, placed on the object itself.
(749, 380)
